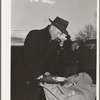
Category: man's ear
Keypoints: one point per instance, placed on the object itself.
(52, 27)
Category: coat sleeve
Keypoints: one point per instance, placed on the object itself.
(30, 53)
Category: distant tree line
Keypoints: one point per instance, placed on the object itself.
(88, 32)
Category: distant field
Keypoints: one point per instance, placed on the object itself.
(18, 37)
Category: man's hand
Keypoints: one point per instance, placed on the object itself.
(48, 79)
(62, 38)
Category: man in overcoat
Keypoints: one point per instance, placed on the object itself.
(82, 55)
(40, 50)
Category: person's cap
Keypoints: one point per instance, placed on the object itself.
(61, 24)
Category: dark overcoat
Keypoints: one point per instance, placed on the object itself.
(82, 54)
(40, 52)
(39, 55)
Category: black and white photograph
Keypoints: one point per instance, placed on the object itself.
(53, 50)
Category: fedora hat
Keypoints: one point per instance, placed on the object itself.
(61, 24)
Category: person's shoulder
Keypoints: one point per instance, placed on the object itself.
(37, 33)
(34, 32)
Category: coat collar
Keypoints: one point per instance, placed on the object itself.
(46, 32)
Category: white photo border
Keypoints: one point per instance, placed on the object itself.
(6, 50)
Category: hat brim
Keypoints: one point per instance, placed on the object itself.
(59, 27)
(50, 20)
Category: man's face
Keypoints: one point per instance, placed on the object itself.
(74, 46)
(56, 33)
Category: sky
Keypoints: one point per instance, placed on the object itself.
(34, 14)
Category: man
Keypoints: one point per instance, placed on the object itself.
(40, 50)
(69, 59)
(75, 58)
(63, 56)
(85, 58)
(82, 54)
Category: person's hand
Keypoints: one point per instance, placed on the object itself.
(48, 79)
(46, 74)
(62, 38)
